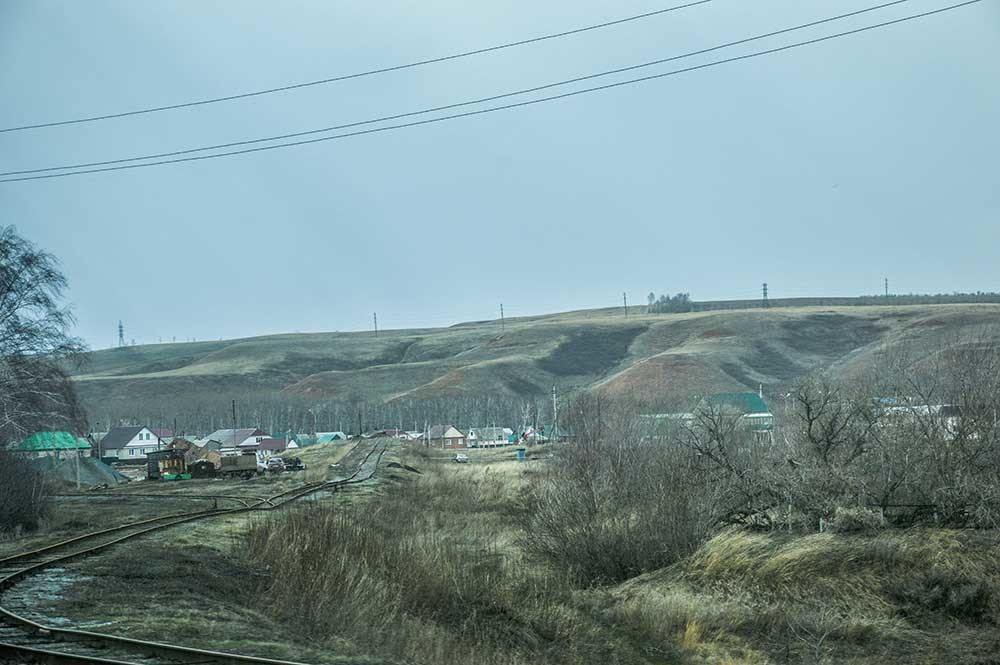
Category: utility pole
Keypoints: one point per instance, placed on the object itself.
(502, 322)
(234, 423)
(764, 302)
(625, 303)
(555, 414)
(76, 450)
(375, 318)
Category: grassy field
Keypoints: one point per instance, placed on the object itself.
(437, 564)
(427, 565)
(661, 358)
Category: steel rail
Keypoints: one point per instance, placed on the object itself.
(146, 646)
(122, 495)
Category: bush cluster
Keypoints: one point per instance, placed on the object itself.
(24, 497)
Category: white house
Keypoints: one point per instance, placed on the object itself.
(489, 437)
(130, 443)
(235, 438)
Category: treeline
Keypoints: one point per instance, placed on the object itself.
(278, 413)
(682, 302)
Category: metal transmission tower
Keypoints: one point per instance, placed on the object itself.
(886, 287)
(764, 302)
(121, 334)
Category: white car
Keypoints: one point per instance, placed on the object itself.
(462, 458)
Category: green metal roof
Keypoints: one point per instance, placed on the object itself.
(739, 402)
(41, 441)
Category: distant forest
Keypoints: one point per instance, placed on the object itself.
(682, 302)
(278, 413)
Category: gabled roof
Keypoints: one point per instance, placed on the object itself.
(741, 403)
(273, 444)
(42, 441)
(489, 433)
(118, 437)
(162, 432)
(327, 437)
(226, 436)
(438, 431)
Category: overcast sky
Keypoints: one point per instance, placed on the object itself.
(819, 170)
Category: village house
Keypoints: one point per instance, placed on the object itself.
(446, 436)
(129, 444)
(230, 439)
(53, 444)
(166, 435)
(327, 437)
(945, 419)
(489, 437)
(206, 444)
(268, 446)
(750, 409)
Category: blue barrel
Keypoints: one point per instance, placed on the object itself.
(522, 454)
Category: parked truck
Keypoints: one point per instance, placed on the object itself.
(239, 466)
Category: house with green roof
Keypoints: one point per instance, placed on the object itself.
(750, 408)
(53, 444)
(329, 437)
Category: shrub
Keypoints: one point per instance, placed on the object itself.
(952, 593)
(24, 497)
(615, 503)
(856, 520)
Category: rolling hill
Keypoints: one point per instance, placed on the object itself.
(661, 359)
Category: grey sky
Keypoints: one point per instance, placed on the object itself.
(818, 170)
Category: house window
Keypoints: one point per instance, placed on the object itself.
(131, 452)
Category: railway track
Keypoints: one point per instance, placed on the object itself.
(243, 500)
(24, 640)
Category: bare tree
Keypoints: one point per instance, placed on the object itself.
(35, 391)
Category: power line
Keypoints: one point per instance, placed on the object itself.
(505, 106)
(480, 100)
(370, 72)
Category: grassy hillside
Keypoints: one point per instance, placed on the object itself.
(662, 359)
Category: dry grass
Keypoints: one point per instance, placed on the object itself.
(434, 569)
(429, 568)
(897, 597)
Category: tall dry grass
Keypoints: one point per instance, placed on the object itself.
(427, 572)
(924, 595)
